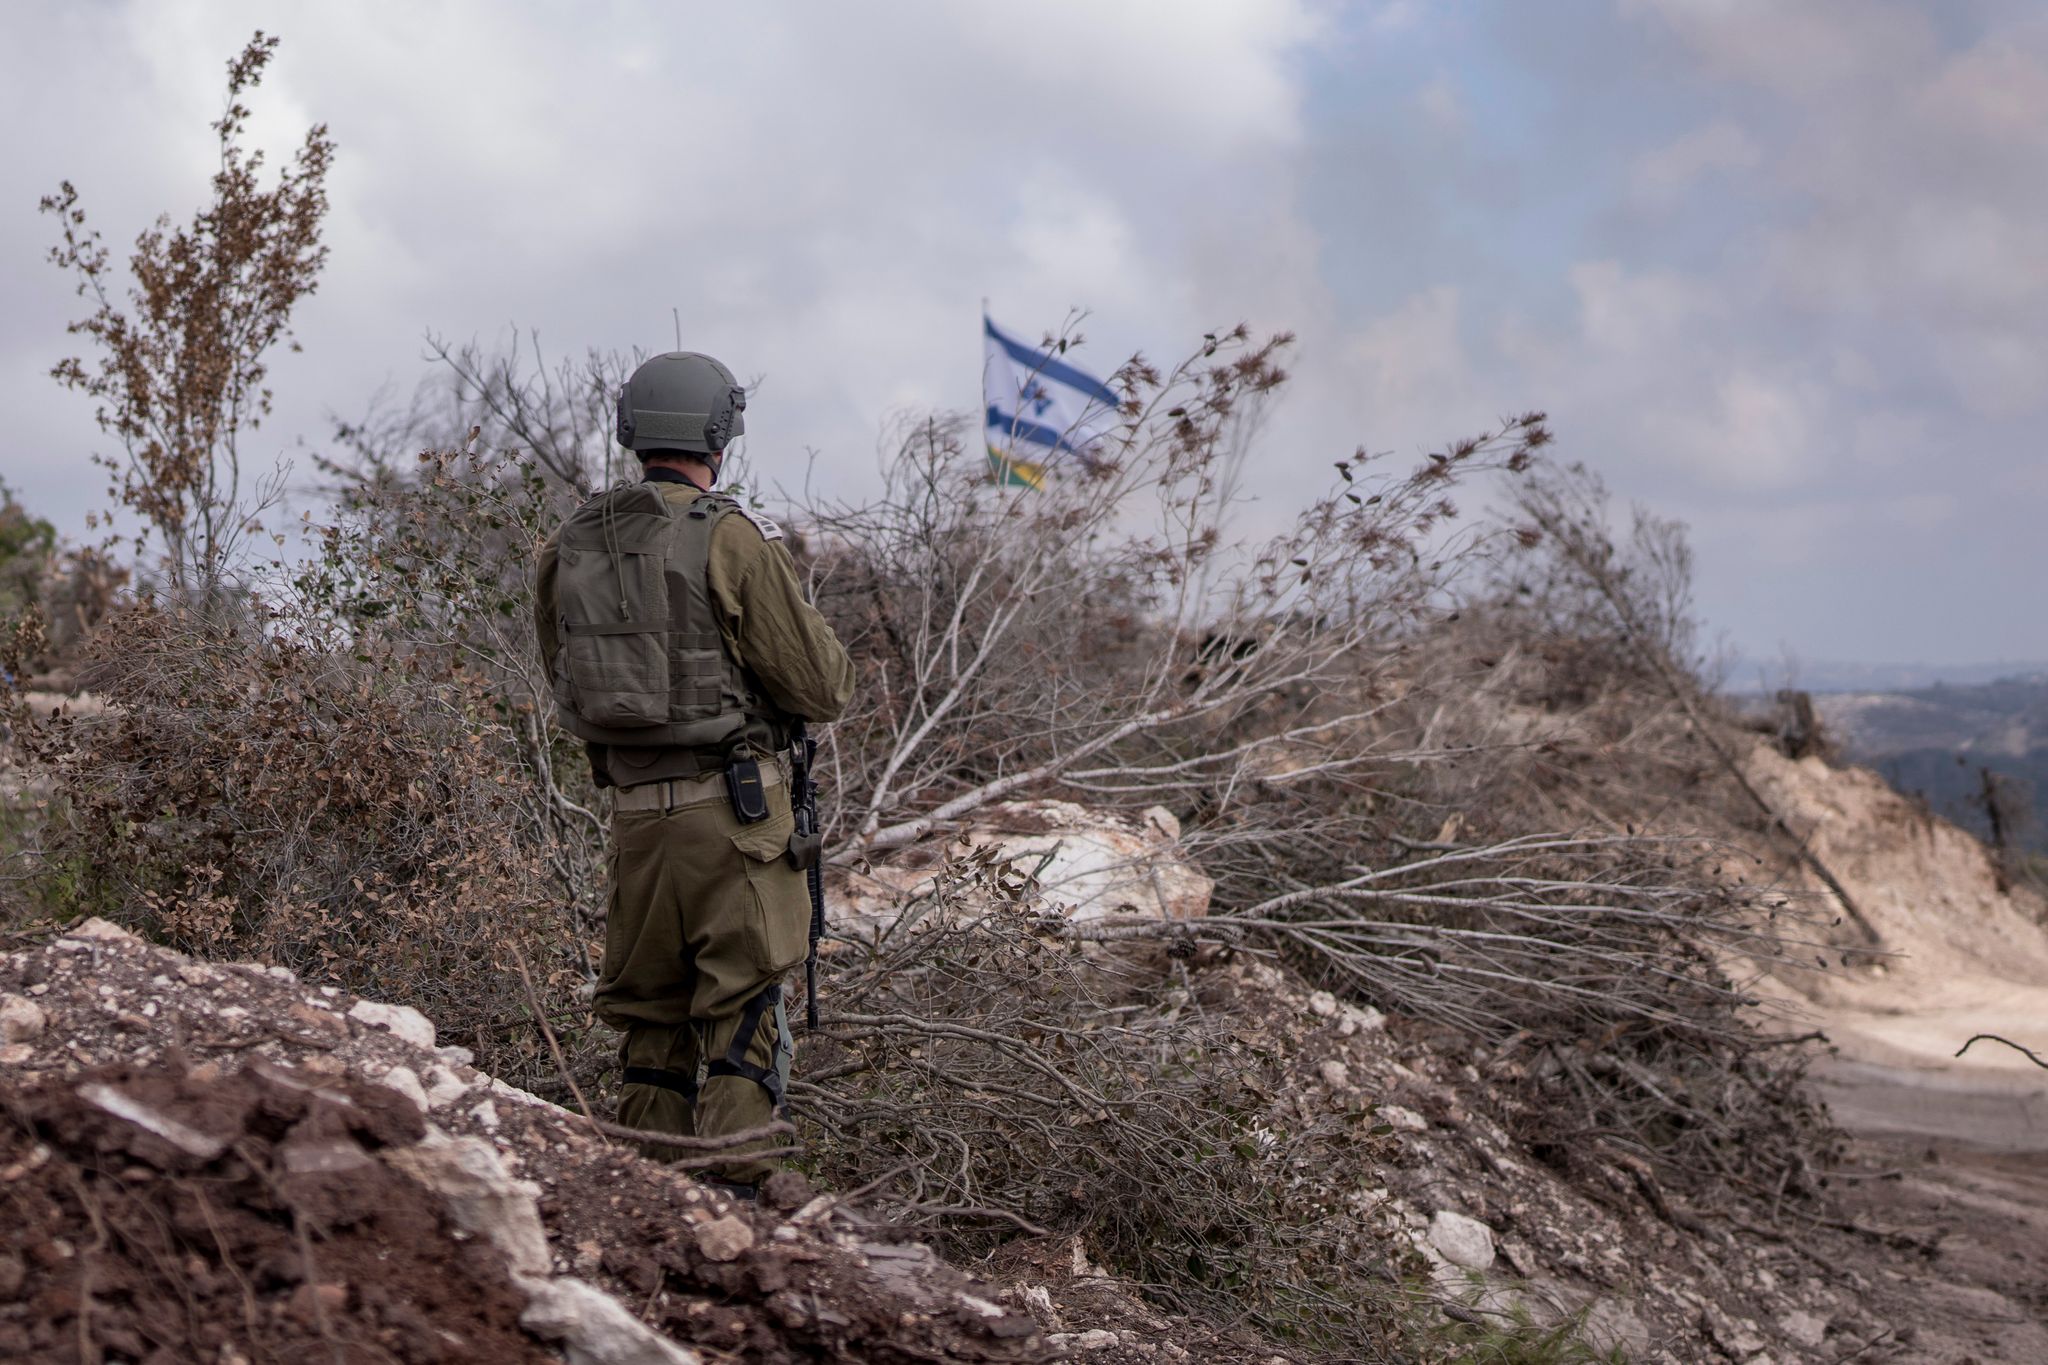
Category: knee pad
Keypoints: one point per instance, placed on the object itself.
(773, 1078)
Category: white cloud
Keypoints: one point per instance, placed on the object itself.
(1815, 48)
(825, 192)
(1636, 313)
(1754, 433)
(1443, 104)
(1720, 146)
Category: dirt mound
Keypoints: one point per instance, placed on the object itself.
(221, 1164)
(185, 1214)
(217, 1163)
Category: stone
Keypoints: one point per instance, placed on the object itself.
(1361, 1019)
(1322, 1004)
(593, 1328)
(1085, 864)
(1094, 1339)
(21, 1019)
(186, 1139)
(481, 1196)
(16, 1054)
(1335, 1074)
(312, 1303)
(723, 1239)
(1808, 1329)
(97, 928)
(1461, 1240)
(407, 1083)
(323, 1156)
(1403, 1120)
(322, 1023)
(402, 1020)
(444, 1087)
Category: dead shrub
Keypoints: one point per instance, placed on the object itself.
(978, 1075)
(343, 779)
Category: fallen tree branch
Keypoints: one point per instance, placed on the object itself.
(2028, 1053)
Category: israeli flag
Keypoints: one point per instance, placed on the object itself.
(1039, 408)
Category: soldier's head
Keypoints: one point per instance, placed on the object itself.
(681, 409)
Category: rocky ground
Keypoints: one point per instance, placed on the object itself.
(220, 1163)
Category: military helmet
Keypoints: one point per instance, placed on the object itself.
(681, 401)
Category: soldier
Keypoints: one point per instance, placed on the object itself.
(681, 650)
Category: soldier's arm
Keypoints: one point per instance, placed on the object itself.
(775, 632)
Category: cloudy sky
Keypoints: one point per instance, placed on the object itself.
(1775, 267)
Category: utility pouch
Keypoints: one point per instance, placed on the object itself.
(743, 788)
(805, 844)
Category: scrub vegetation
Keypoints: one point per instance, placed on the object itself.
(1462, 770)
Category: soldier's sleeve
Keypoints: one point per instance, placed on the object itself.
(775, 632)
(544, 608)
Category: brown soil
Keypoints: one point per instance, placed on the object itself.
(265, 1231)
(632, 1227)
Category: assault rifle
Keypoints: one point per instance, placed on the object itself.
(806, 851)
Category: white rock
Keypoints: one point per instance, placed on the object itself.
(1322, 1003)
(723, 1239)
(1361, 1019)
(403, 1020)
(21, 1019)
(1404, 1120)
(189, 1140)
(594, 1328)
(1805, 1328)
(1084, 863)
(486, 1115)
(1461, 1240)
(981, 1306)
(1335, 1074)
(1163, 820)
(405, 1082)
(444, 1087)
(481, 1195)
(100, 929)
(16, 1054)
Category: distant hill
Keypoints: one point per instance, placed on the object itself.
(1836, 675)
(1936, 740)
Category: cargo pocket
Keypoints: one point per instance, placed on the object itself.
(778, 927)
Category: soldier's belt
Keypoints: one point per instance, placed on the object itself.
(684, 791)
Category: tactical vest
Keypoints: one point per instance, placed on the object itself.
(642, 662)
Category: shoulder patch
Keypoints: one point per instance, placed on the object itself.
(762, 523)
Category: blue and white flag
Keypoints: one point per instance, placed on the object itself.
(1040, 408)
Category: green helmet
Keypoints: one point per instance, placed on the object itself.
(681, 401)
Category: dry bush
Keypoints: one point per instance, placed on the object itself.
(978, 1075)
(350, 779)
(1104, 638)
(1349, 722)
(181, 374)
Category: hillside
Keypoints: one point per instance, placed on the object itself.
(1937, 742)
(137, 1079)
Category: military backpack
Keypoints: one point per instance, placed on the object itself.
(642, 661)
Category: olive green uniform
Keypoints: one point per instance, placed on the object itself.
(704, 913)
